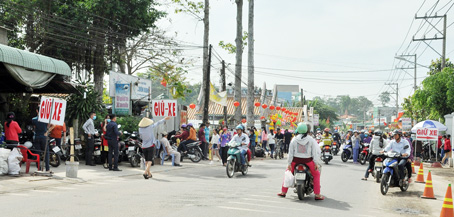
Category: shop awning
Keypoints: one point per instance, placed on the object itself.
(22, 70)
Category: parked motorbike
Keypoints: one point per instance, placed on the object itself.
(234, 160)
(134, 150)
(364, 155)
(427, 152)
(303, 180)
(391, 176)
(194, 152)
(377, 172)
(97, 148)
(54, 158)
(347, 153)
(326, 154)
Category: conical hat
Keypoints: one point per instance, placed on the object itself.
(145, 122)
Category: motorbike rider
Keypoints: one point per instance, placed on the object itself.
(243, 139)
(326, 138)
(191, 138)
(337, 138)
(376, 146)
(398, 145)
(304, 150)
(183, 137)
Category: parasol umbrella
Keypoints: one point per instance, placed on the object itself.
(429, 124)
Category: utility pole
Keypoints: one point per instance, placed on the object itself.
(239, 59)
(206, 99)
(250, 78)
(424, 39)
(224, 88)
(302, 97)
(402, 57)
(397, 96)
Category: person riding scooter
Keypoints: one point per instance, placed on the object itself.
(398, 145)
(243, 139)
(326, 138)
(304, 150)
(376, 146)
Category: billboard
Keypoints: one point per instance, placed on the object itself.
(140, 87)
(122, 102)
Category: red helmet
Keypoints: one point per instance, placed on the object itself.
(326, 130)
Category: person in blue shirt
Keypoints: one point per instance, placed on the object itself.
(40, 139)
(112, 135)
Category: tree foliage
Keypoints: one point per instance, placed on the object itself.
(384, 98)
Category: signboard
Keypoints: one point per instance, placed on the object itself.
(406, 123)
(316, 119)
(423, 133)
(164, 108)
(122, 99)
(140, 87)
(382, 121)
(52, 110)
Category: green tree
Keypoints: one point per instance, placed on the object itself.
(385, 97)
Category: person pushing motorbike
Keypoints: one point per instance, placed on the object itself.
(303, 149)
(399, 145)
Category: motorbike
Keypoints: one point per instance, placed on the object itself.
(391, 176)
(234, 160)
(194, 152)
(279, 152)
(364, 155)
(134, 150)
(347, 153)
(335, 148)
(259, 151)
(54, 157)
(97, 148)
(427, 152)
(378, 168)
(303, 180)
(326, 154)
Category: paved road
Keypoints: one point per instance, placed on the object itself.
(204, 190)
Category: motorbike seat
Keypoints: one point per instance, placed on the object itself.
(190, 145)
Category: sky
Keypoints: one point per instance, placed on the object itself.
(328, 48)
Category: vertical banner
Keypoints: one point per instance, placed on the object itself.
(164, 108)
(122, 99)
(52, 110)
(316, 119)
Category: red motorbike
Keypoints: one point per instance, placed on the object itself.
(364, 155)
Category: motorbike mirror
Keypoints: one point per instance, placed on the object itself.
(119, 126)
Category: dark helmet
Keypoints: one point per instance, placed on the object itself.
(397, 132)
(378, 133)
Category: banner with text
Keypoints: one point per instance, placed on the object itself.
(52, 110)
(122, 99)
(164, 108)
(427, 134)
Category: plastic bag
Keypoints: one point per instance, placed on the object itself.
(289, 179)
(4, 153)
(14, 159)
(142, 163)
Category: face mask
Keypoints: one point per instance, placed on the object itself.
(108, 120)
(94, 117)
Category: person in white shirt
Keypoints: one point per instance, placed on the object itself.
(243, 139)
(215, 145)
(272, 142)
(164, 141)
(401, 146)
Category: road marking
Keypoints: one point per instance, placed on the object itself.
(262, 196)
(18, 194)
(44, 191)
(64, 188)
(278, 207)
(243, 209)
(254, 199)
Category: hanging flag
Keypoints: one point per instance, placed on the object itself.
(327, 120)
(219, 98)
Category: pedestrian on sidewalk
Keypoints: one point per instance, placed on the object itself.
(252, 138)
(165, 142)
(40, 139)
(112, 135)
(104, 145)
(202, 138)
(264, 139)
(90, 132)
(224, 140)
(146, 127)
(215, 145)
(272, 142)
(12, 129)
(447, 148)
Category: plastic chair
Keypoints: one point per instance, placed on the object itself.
(164, 154)
(25, 151)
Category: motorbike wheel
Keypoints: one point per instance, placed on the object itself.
(344, 157)
(362, 159)
(54, 159)
(300, 191)
(230, 168)
(377, 177)
(326, 161)
(404, 186)
(244, 172)
(384, 184)
(197, 158)
(135, 160)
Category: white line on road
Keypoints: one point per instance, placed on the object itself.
(243, 209)
(278, 207)
(64, 188)
(253, 195)
(18, 194)
(254, 199)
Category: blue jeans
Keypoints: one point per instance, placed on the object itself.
(242, 154)
(355, 155)
(272, 147)
(264, 143)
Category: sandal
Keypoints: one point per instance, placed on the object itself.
(364, 179)
(281, 195)
(319, 198)
(150, 176)
(145, 176)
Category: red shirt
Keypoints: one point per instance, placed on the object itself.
(12, 132)
(447, 144)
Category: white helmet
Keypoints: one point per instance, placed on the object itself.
(28, 144)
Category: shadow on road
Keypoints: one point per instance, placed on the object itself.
(327, 203)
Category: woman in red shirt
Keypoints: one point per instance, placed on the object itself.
(105, 147)
(12, 129)
(447, 149)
